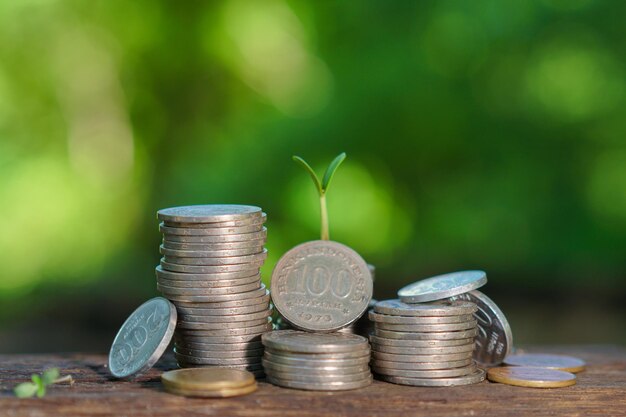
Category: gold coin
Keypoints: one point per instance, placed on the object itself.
(207, 379)
(219, 393)
(526, 376)
(541, 360)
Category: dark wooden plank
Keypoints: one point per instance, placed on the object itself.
(601, 390)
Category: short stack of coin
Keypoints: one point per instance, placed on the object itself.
(316, 361)
(428, 344)
(210, 270)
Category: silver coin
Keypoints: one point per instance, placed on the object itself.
(233, 260)
(213, 246)
(182, 276)
(423, 351)
(372, 269)
(395, 357)
(233, 319)
(224, 313)
(229, 223)
(208, 284)
(256, 368)
(383, 318)
(391, 334)
(206, 326)
(209, 213)
(358, 353)
(495, 338)
(474, 378)
(420, 365)
(324, 386)
(313, 362)
(442, 286)
(381, 341)
(256, 297)
(219, 354)
(316, 370)
(143, 338)
(296, 377)
(298, 341)
(217, 361)
(212, 231)
(210, 254)
(209, 290)
(433, 373)
(243, 237)
(252, 267)
(218, 298)
(217, 347)
(427, 328)
(188, 340)
(321, 286)
(198, 335)
(433, 309)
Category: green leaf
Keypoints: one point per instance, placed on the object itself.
(50, 375)
(311, 173)
(330, 171)
(25, 390)
(41, 387)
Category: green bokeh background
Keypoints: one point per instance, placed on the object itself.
(482, 134)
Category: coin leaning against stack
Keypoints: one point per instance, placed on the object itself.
(316, 361)
(210, 271)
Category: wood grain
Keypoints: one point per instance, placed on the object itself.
(601, 390)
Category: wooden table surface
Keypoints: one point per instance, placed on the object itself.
(600, 391)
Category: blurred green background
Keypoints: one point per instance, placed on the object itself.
(480, 134)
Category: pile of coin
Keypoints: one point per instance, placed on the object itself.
(210, 271)
(316, 361)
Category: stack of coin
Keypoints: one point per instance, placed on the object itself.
(210, 271)
(425, 344)
(316, 361)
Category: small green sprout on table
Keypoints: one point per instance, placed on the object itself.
(40, 383)
(322, 187)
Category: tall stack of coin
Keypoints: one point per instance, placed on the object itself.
(316, 361)
(210, 271)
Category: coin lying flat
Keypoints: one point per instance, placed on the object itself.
(255, 368)
(192, 333)
(433, 373)
(442, 286)
(221, 393)
(319, 379)
(390, 334)
(474, 378)
(322, 369)
(321, 286)
(252, 267)
(230, 238)
(230, 260)
(212, 231)
(256, 298)
(230, 223)
(316, 362)
(210, 254)
(384, 318)
(324, 386)
(494, 339)
(397, 357)
(225, 312)
(219, 297)
(143, 338)
(209, 290)
(531, 377)
(542, 360)
(427, 328)
(423, 350)
(213, 246)
(298, 341)
(219, 354)
(225, 340)
(435, 344)
(208, 284)
(423, 365)
(207, 378)
(433, 309)
(226, 318)
(209, 213)
(211, 325)
(218, 347)
(182, 276)
(218, 361)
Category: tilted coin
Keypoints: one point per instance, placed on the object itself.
(218, 361)
(219, 354)
(421, 365)
(495, 338)
(383, 318)
(391, 334)
(396, 357)
(427, 328)
(208, 284)
(318, 370)
(213, 246)
(381, 341)
(219, 346)
(211, 325)
(474, 378)
(254, 299)
(218, 276)
(433, 309)
(313, 362)
(242, 237)
(432, 373)
(442, 286)
(321, 286)
(207, 378)
(208, 213)
(209, 290)
(543, 360)
(422, 350)
(298, 377)
(298, 341)
(210, 254)
(231, 319)
(523, 376)
(324, 386)
(225, 311)
(143, 338)
(232, 260)
(218, 298)
(251, 268)
(212, 231)
(195, 334)
(225, 340)
(229, 223)
(221, 393)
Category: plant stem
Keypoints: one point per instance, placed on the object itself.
(324, 215)
(66, 378)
